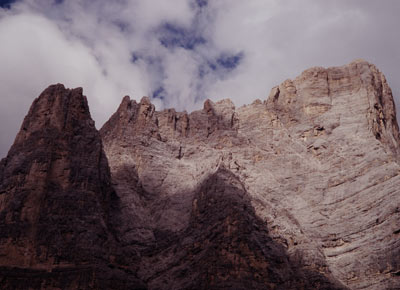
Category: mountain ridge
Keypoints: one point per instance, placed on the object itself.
(299, 191)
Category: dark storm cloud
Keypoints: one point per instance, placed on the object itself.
(181, 54)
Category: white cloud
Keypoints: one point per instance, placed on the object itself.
(91, 44)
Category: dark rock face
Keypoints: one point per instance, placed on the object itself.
(226, 246)
(56, 199)
(300, 191)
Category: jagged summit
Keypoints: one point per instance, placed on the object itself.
(310, 98)
(56, 107)
(298, 191)
(315, 158)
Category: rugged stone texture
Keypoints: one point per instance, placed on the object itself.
(318, 162)
(300, 191)
(226, 246)
(55, 202)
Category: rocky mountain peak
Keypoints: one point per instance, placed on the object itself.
(357, 93)
(319, 144)
(56, 200)
(299, 191)
(58, 108)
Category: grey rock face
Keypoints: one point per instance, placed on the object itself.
(299, 191)
(226, 246)
(319, 164)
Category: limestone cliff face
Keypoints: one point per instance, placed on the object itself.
(299, 191)
(318, 160)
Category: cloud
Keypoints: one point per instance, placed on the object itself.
(183, 53)
(279, 39)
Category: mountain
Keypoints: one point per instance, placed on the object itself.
(299, 191)
(56, 201)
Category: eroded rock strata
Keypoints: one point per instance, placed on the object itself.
(300, 191)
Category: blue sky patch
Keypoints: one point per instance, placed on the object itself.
(201, 3)
(222, 65)
(6, 3)
(172, 36)
(230, 62)
(134, 57)
(159, 93)
(203, 70)
(122, 26)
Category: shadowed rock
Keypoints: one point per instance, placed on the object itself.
(56, 200)
(226, 246)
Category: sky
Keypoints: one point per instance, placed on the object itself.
(182, 52)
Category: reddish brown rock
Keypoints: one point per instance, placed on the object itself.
(56, 201)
